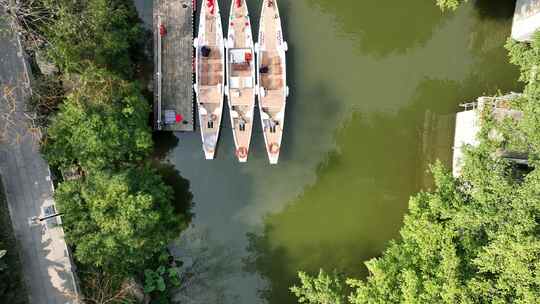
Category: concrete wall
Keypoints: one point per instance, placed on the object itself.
(526, 19)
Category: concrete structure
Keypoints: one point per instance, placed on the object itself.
(469, 123)
(526, 19)
(45, 258)
(173, 60)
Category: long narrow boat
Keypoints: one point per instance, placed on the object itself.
(210, 75)
(272, 78)
(240, 88)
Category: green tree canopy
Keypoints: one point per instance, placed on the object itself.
(103, 122)
(525, 133)
(473, 241)
(467, 242)
(118, 221)
(449, 4)
(105, 32)
(323, 289)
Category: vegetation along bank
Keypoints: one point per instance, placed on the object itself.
(118, 213)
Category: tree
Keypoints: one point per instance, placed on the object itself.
(449, 4)
(469, 241)
(103, 123)
(105, 32)
(324, 289)
(118, 221)
(526, 132)
(472, 240)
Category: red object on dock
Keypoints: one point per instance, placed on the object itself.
(248, 57)
(162, 30)
(179, 118)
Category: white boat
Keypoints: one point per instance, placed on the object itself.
(272, 78)
(209, 75)
(240, 88)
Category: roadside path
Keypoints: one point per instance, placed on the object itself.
(45, 260)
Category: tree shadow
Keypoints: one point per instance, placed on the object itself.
(164, 143)
(182, 196)
(495, 9)
(403, 25)
(206, 268)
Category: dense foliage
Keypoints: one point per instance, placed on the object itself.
(116, 221)
(473, 239)
(102, 123)
(323, 289)
(467, 242)
(118, 213)
(104, 32)
(449, 4)
(524, 135)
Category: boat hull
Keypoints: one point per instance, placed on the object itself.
(272, 78)
(241, 79)
(209, 75)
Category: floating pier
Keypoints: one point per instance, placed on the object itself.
(173, 65)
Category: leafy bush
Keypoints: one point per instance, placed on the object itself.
(118, 221)
(449, 4)
(103, 123)
(105, 32)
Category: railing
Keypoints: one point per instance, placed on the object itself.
(158, 74)
(469, 105)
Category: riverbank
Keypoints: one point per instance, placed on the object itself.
(118, 212)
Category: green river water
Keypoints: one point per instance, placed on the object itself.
(374, 86)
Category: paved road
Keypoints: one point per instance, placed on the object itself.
(46, 264)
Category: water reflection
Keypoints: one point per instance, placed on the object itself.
(206, 269)
(164, 143)
(383, 27)
(182, 196)
(497, 9)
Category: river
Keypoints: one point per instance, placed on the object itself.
(374, 89)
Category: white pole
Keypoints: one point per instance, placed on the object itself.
(159, 73)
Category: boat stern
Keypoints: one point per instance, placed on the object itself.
(273, 153)
(209, 144)
(209, 153)
(273, 158)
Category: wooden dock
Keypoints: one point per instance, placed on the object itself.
(173, 62)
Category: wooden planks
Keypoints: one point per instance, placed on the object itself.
(176, 64)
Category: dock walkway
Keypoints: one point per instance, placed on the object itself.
(173, 59)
